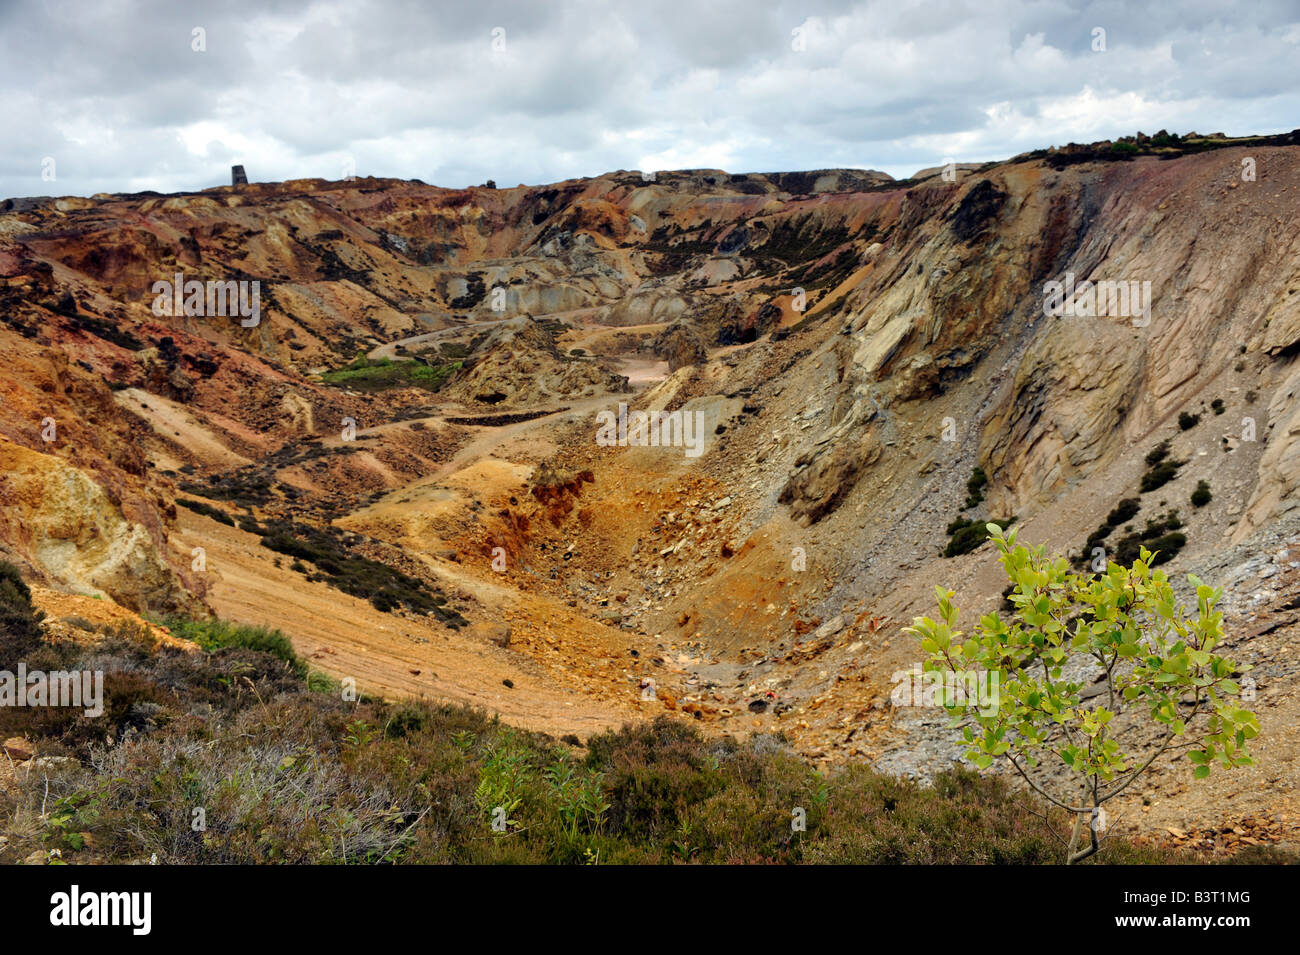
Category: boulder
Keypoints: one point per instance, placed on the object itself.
(18, 749)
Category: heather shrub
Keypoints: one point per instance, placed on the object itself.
(20, 622)
(1201, 496)
(227, 756)
(221, 634)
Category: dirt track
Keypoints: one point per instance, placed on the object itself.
(386, 655)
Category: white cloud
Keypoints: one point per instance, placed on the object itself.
(410, 88)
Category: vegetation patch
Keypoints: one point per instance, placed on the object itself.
(508, 417)
(287, 771)
(1164, 145)
(325, 548)
(475, 292)
(1201, 496)
(1161, 535)
(20, 622)
(1120, 514)
(793, 241)
(249, 487)
(207, 510)
(221, 634)
(966, 535)
(1124, 511)
(453, 351)
(975, 487)
(1161, 468)
(109, 331)
(829, 274)
(379, 374)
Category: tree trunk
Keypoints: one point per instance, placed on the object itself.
(1073, 855)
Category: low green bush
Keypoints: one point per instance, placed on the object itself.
(280, 773)
(1160, 475)
(1124, 511)
(20, 622)
(207, 510)
(975, 487)
(382, 373)
(1158, 453)
(222, 634)
(385, 587)
(1159, 535)
(1201, 496)
(967, 535)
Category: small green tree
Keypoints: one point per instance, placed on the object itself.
(1157, 664)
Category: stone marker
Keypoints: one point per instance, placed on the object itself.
(238, 176)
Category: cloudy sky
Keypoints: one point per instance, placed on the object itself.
(125, 95)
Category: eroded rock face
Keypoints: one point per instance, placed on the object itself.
(917, 378)
(1282, 331)
(299, 411)
(647, 306)
(65, 524)
(162, 375)
(1064, 412)
(977, 210)
(1279, 466)
(919, 297)
(965, 276)
(825, 474)
(822, 479)
(680, 345)
(521, 366)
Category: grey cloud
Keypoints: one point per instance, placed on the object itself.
(414, 89)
